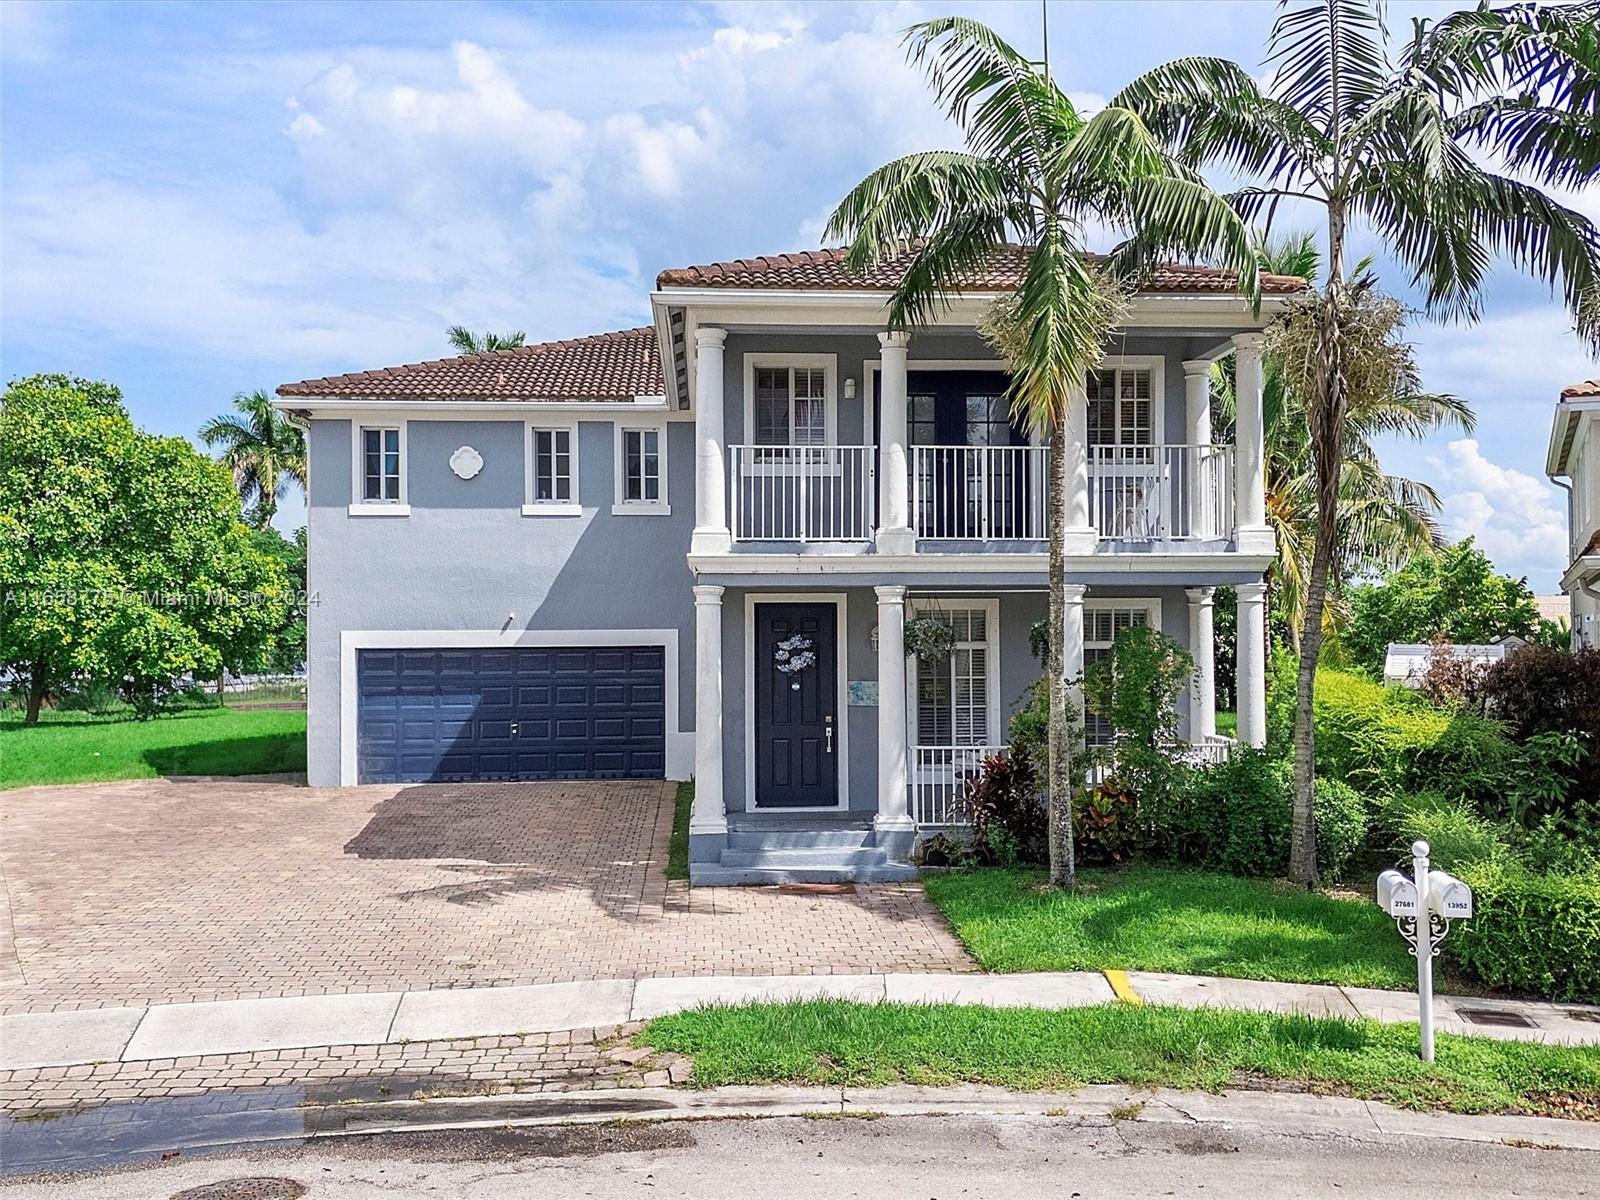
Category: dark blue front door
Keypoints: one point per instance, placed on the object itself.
(525, 713)
(797, 700)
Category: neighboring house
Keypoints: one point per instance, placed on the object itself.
(1407, 662)
(1573, 463)
(1556, 609)
(689, 550)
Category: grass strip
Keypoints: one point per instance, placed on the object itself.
(1161, 919)
(678, 845)
(73, 747)
(838, 1043)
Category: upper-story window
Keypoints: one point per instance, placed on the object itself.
(552, 483)
(641, 470)
(789, 400)
(379, 470)
(1122, 406)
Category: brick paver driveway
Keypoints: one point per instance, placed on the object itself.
(162, 891)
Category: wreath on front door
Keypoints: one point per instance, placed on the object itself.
(794, 654)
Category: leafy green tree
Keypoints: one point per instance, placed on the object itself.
(122, 555)
(289, 644)
(1456, 595)
(1395, 144)
(262, 449)
(1036, 173)
(467, 342)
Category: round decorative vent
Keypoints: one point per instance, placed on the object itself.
(466, 462)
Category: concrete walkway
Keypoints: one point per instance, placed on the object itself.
(175, 1031)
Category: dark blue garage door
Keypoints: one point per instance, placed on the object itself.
(529, 713)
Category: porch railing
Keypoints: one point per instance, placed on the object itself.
(938, 779)
(803, 493)
(1157, 493)
(979, 493)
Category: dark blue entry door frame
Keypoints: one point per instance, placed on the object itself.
(527, 712)
(796, 712)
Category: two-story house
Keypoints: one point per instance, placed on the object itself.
(1573, 462)
(691, 550)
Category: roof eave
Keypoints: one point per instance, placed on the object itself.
(334, 405)
(1568, 410)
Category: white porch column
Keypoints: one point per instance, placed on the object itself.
(710, 470)
(1079, 535)
(1203, 686)
(1252, 533)
(895, 829)
(895, 535)
(1250, 655)
(1072, 644)
(1197, 433)
(709, 815)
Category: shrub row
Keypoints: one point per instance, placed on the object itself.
(1531, 933)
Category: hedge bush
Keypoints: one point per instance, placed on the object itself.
(1236, 817)
(1537, 933)
(1383, 741)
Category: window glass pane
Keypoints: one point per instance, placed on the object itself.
(920, 427)
(652, 464)
(772, 407)
(552, 464)
(970, 695)
(810, 407)
(1101, 389)
(632, 465)
(934, 717)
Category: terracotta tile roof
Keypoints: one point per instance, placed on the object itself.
(1589, 387)
(826, 270)
(606, 366)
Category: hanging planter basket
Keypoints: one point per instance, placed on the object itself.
(929, 638)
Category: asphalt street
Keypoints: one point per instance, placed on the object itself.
(836, 1158)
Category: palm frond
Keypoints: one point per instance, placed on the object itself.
(1330, 59)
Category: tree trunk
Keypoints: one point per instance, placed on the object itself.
(36, 692)
(1327, 454)
(1058, 774)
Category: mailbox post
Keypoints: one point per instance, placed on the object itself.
(1423, 907)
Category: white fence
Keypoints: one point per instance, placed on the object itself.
(1155, 493)
(979, 493)
(803, 493)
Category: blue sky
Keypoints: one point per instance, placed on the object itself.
(204, 198)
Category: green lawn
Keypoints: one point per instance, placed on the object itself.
(1160, 919)
(836, 1043)
(1228, 724)
(74, 747)
(678, 847)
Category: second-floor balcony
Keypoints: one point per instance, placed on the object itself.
(979, 494)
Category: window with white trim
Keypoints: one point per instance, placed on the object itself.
(1102, 622)
(641, 468)
(790, 406)
(380, 464)
(553, 476)
(1121, 406)
(953, 695)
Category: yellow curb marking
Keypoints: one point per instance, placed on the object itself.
(1122, 986)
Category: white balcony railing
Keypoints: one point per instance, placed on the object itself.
(979, 493)
(938, 779)
(1157, 493)
(803, 493)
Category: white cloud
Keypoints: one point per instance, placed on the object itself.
(1516, 519)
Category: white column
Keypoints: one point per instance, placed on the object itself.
(895, 535)
(1252, 533)
(1203, 686)
(709, 815)
(711, 473)
(1250, 657)
(1197, 433)
(894, 818)
(1072, 644)
(1078, 536)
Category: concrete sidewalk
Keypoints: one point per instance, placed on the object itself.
(175, 1031)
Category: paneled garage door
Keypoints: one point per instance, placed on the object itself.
(526, 713)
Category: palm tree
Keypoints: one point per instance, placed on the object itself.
(467, 342)
(262, 449)
(1038, 173)
(1385, 520)
(1389, 143)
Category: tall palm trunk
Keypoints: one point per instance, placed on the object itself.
(1063, 868)
(1327, 456)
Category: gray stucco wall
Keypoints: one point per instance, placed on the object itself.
(467, 559)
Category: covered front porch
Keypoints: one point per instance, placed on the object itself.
(823, 748)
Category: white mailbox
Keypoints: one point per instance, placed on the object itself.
(1448, 896)
(1397, 895)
